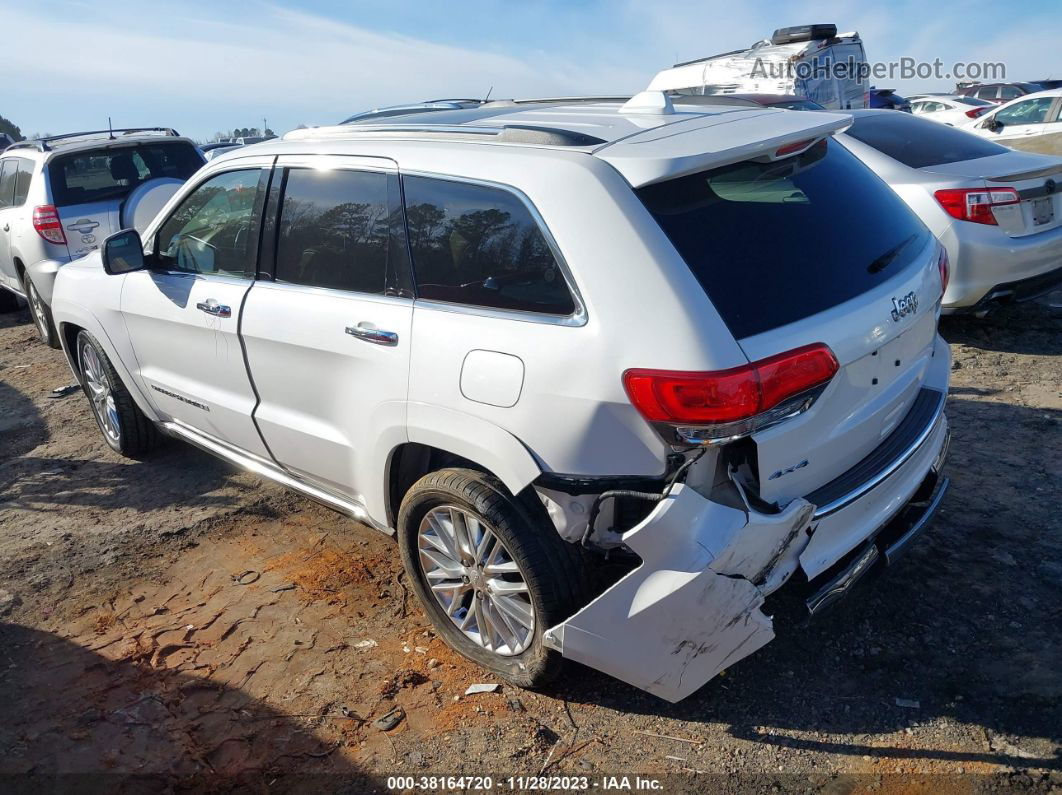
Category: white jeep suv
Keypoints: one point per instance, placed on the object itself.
(60, 197)
(611, 372)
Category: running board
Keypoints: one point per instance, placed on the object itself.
(271, 472)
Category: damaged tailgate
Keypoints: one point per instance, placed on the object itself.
(692, 608)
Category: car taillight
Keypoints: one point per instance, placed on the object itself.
(973, 113)
(46, 222)
(975, 204)
(944, 268)
(728, 403)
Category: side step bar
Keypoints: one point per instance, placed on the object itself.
(271, 472)
(884, 548)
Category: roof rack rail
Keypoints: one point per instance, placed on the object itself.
(44, 144)
(504, 133)
(602, 98)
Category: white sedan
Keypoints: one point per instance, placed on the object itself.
(950, 109)
(1032, 123)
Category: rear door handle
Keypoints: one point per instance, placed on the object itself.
(212, 307)
(364, 331)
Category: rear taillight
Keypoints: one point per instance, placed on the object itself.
(944, 268)
(975, 204)
(46, 222)
(973, 113)
(707, 406)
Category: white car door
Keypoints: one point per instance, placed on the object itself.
(1020, 119)
(327, 326)
(8, 172)
(183, 312)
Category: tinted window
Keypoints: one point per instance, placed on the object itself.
(988, 92)
(100, 174)
(214, 229)
(334, 230)
(973, 101)
(919, 143)
(772, 243)
(1010, 92)
(478, 245)
(22, 181)
(1031, 111)
(8, 170)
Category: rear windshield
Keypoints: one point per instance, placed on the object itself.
(918, 142)
(980, 103)
(772, 243)
(101, 174)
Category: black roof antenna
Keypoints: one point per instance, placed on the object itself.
(488, 95)
(110, 128)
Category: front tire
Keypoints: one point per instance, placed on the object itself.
(124, 426)
(491, 578)
(41, 314)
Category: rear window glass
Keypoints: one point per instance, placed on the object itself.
(478, 245)
(918, 142)
(772, 243)
(101, 174)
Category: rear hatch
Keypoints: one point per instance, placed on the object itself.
(813, 248)
(1036, 180)
(89, 187)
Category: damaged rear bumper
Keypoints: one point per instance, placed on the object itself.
(692, 608)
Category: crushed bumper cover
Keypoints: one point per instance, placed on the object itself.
(693, 607)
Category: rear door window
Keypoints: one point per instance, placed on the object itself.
(102, 174)
(772, 243)
(334, 230)
(480, 246)
(919, 143)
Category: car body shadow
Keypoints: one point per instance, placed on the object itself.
(964, 627)
(1031, 328)
(112, 718)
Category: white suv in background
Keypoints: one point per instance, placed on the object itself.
(60, 196)
(611, 372)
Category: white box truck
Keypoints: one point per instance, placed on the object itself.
(811, 61)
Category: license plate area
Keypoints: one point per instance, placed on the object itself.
(1043, 211)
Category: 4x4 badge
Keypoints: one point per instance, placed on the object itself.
(901, 307)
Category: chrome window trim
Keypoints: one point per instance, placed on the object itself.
(822, 511)
(333, 292)
(327, 162)
(579, 317)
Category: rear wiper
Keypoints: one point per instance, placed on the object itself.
(887, 258)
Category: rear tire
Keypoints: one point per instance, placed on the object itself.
(41, 314)
(8, 301)
(124, 426)
(496, 560)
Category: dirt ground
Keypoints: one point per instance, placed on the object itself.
(188, 625)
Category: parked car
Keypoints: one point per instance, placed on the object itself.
(212, 150)
(998, 212)
(888, 99)
(954, 110)
(1033, 123)
(790, 62)
(1049, 83)
(780, 101)
(61, 196)
(998, 92)
(525, 337)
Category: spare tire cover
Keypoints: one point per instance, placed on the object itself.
(144, 203)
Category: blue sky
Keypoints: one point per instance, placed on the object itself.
(204, 66)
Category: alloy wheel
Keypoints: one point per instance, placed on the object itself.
(475, 580)
(101, 394)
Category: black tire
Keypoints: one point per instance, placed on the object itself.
(8, 301)
(127, 431)
(552, 569)
(41, 314)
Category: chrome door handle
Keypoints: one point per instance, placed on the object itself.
(212, 307)
(363, 331)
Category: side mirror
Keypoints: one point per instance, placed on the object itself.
(123, 252)
(993, 125)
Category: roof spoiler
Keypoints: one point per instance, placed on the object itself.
(709, 141)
